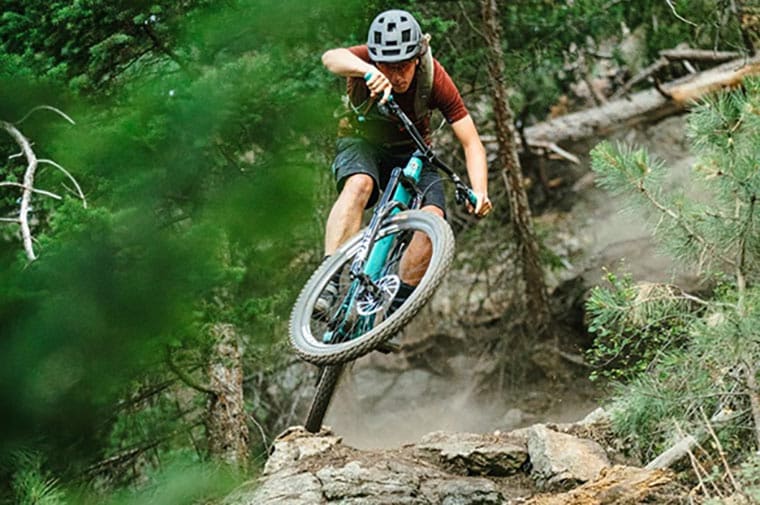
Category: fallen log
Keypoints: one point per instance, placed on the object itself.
(618, 485)
(641, 107)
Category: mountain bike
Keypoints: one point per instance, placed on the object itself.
(366, 272)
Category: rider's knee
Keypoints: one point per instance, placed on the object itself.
(434, 209)
(359, 187)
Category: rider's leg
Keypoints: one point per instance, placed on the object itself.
(346, 214)
(344, 221)
(415, 261)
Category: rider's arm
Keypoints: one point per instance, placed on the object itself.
(341, 61)
(475, 159)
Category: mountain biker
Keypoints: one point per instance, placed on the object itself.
(396, 59)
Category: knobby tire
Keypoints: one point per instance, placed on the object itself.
(328, 380)
(312, 349)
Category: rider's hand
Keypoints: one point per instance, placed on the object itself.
(378, 84)
(482, 207)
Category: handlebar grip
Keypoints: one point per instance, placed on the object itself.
(472, 197)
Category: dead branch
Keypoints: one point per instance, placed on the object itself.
(689, 54)
(677, 15)
(754, 399)
(551, 146)
(33, 190)
(71, 178)
(686, 443)
(26, 194)
(46, 107)
(186, 378)
(27, 187)
(721, 452)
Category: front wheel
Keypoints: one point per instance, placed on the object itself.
(368, 320)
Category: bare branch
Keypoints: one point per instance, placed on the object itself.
(551, 146)
(699, 55)
(26, 196)
(754, 396)
(10, 220)
(46, 107)
(675, 13)
(34, 190)
(17, 155)
(71, 177)
(469, 21)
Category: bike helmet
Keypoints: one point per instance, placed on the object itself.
(394, 36)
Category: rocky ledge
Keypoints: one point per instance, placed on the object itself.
(540, 465)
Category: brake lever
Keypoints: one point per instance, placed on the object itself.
(385, 108)
(465, 194)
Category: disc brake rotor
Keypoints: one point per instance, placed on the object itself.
(368, 303)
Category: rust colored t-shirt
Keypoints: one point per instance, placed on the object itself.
(444, 96)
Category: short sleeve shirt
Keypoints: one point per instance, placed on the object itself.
(444, 96)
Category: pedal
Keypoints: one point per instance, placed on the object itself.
(388, 347)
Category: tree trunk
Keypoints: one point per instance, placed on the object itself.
(643, 106)
(227, 430)
(532, 272)
(749, 23)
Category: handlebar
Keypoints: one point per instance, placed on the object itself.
(463, 192)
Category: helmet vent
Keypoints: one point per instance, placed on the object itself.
(406, 35)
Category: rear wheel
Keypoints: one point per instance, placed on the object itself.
(360, 320)
(328, 380)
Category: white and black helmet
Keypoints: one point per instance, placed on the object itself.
(394, 36)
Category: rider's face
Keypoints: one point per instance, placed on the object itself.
(400, 74)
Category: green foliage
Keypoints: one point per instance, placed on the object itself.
(32, 485)
(684, 359)
(200, 156)
(749, 477)
(550, 46)
(632, 324)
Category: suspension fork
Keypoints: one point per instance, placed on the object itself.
(401, 198)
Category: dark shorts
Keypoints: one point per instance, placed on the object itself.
(357, 156)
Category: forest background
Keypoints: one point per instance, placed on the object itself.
(182, 149)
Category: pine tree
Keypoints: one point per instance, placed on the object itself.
(706, 370)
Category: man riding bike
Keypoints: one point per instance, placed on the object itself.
(396, 59)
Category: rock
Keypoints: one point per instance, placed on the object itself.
(306, 469)
(561, 461)
(475, 454)
(449, 469)
(299, 489)
(515, 418)
(391, 484)
(462, 491)
(294, 445)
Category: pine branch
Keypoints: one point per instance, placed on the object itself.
(618, 164)
(186, 378)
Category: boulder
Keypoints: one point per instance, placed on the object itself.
(562, 461)
(475, 454)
